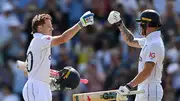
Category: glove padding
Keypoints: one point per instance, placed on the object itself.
(86, 19)
(114, 17)
(56, 77)
(124, 90)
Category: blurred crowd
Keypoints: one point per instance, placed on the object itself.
(98, 52)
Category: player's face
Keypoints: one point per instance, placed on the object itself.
(47, 27)
(143, 32)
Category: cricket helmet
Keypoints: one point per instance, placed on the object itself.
(72, 81)
(151, 17)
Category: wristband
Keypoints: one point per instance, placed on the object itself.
(80, 24)
(129, 87)
(119, 23)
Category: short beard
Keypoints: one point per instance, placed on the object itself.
(143, 32)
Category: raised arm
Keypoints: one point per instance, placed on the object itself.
(128, 36)
(67, 35)
(114, 18)
(85, 20)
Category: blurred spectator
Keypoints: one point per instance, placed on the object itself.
(8, 94)
(160, 5)
(95, 76)
(127, 18)
(177, 7)
(59, 19)
(170, 28)
(16, 48)
(114, 71)
(75, 10)
(101, 11)
(131, 6)
(174, 70)
(172, 51)
(104, 55)
(64, 58)
(32, 10)
(8, 19)
(6, 76)
(83, 50)
(130, 23)
(19, 79)
(22, 4)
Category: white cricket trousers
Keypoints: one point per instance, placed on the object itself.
(153, 92)
(35, 90)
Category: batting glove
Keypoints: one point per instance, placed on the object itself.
(86, 19)
(124, 90)
(114, 18)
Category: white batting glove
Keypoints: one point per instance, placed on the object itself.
(114, 17)
(123, 90)
(86, 19)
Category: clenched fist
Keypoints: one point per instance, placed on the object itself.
(114, 17)
(86, 19)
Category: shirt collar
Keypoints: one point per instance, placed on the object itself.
(153, 35)
(37, 34)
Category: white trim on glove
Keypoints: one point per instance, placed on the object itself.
(87, 19)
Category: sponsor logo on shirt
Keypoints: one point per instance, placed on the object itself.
(152, 55)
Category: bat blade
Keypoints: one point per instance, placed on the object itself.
(95, 96)
(102, 96)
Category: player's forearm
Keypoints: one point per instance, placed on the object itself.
(66, 36)
(139, 79)
(127, 35)
(143, 75)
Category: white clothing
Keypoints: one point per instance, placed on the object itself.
(39, 57)
(153, 92)
(152, 51)
(35, 90)
(37, 87)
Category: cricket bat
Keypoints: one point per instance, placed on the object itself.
(103, 96)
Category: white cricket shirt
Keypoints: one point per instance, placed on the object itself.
(39, 57)
(152, 51)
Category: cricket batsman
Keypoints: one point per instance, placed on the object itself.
(37, 88)
(151, 56)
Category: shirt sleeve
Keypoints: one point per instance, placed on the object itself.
(141, 41)
(46, 41)
(153, 53)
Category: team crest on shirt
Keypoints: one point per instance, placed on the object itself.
(48, 38)
(152, 55)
